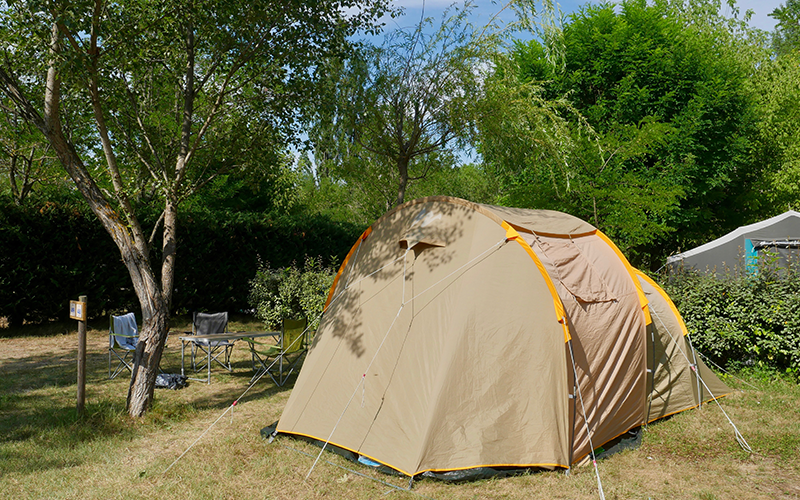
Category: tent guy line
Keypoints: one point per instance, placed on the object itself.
(336, 298)
(362, 380)
(726, 372)
(399, 488)
(234, 403)
(739, 438)
(586, 422)
(230, 409)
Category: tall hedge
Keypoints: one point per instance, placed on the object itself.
(54, 251)
(219, 255)
(743, 320)
(51, 252)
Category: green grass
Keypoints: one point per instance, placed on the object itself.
(48, 451)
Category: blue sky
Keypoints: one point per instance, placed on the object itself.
(485, 9)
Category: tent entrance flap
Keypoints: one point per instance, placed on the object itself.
(574, 270)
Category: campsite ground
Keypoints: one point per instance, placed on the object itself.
(46, 452)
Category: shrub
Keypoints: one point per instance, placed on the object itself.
(291, 292)
(743, 320)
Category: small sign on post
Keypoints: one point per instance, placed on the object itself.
(77, 310)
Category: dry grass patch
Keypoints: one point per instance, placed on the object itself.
(47, 452)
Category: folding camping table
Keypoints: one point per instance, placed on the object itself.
(217, 337)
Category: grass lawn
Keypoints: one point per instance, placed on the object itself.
(47, 452)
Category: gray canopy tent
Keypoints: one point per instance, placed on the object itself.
(776, 239)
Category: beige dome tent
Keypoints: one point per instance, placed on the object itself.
(454, 333)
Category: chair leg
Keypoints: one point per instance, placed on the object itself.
(258, 371)
(279, 370)
(122, 363)
(284, 374)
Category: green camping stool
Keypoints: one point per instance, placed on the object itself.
(279, 361)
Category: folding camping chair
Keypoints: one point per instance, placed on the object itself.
(279, 361)
(218, 351)
(123, 335)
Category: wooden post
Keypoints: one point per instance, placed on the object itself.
(82, 357)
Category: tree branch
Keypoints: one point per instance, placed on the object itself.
(102, 129)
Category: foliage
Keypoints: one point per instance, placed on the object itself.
(291, 292)
(52, 251)
(776, 89)
(26, 160)
(224, 248)
(663, 153)
(171, 95)
(743, 320)
(786, 38)
(468, 181)
(360, 203)
(525, 136)
(397, 114)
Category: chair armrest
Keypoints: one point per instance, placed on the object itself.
(252, 341)
(123, 335)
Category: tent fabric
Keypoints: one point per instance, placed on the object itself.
(670, 359)
(728, 253)
(609, 367)
(448, 339)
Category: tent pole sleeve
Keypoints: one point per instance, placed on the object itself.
(642, 299)
(344, 263)
(561, 315)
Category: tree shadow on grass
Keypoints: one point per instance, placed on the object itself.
(40, 428)
(40, 371)
(38, 432)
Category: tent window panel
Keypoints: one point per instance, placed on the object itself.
(428, 228)
(776, 253)
(575, 271)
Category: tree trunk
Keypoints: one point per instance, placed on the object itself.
(147, 357)
(402, 170)
(168, 251)
(155, 310)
